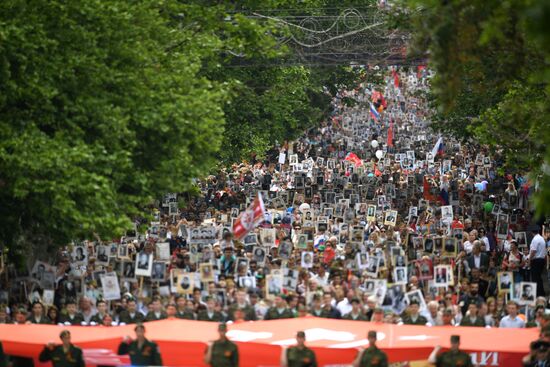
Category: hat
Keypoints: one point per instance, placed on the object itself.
(414, 302)
(222, 327)
(371, 334)
(455, 339)
(300, 334)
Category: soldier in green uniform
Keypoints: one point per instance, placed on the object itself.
(299, 355)
(371, 356)
(37, 316)
(101, 306)
(157, 313)
(223, 352)
(71, 315)
(413, 317)
(317, 308)
(454, 357)
(142, 352)
(356, 313)
(184, 308)
(210, 314)
(131, 315)
(279, 310)
(3, 358)
(473, 319)
(65, 355)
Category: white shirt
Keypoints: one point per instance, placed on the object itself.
(508, 322)
(468, 246)
(344, 306)
(539, 246)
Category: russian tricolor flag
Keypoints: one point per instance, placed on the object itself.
(375, 114)
(438, 147)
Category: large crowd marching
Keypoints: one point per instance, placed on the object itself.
(369, 216)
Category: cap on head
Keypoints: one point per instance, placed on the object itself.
(301, 334)
(371, 334)
(222, 327)
(455, 339)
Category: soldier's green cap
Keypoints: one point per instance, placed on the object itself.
(371, 334)
(455, 338)
(222, 327)
(301, 334)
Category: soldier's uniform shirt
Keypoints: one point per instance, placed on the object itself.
(58, 357)
(453, 358)
(151, 316)
(43, 320)
(126, 318)
(300, 357)
(358, 317)
(224, 354)
(186, 315)
(373, 357)
(97, 318)
(77, 319)
(420, 320)
(479, 321)
(216, 316)
(3, 358)
(249, 313)
(320, 313)
(147, 355)
(274, 314)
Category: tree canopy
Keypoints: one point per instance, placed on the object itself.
(490, 59)
(107, 105)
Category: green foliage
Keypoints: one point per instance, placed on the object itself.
(491, 84)
(96, 119)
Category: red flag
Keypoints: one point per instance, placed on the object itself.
(352, 157)
(250, 218)
(395, 78)
(390, 135)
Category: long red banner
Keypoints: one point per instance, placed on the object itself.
(182, 342)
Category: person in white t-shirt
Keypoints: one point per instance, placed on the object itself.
(537, 256)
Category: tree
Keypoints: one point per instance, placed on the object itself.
(491, 83)
(97, 116)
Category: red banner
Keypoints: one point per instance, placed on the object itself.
(250, 218)
(182, 342)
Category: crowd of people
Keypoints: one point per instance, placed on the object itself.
(370, 216)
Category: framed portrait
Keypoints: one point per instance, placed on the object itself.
(274, 285)
(362, 259)
(247, 282)
(521, 239)
(163, 251)
(424, 269)
(122, 251)
(80, 254)
(267, 236)
(390, 218)
(144, 264)
(441, 277)
(528, 293)
(258, 254)
(185, 283)
(400, 275)
(111, 288)
(128, 270)
(373, 266)
(416, 296)
(206, 272)
(307, 259)
(158, 273)
(505, 281)
(449, 246)
(102, 255)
